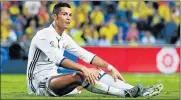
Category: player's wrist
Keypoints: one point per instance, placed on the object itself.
(82, 69)
(109, 67)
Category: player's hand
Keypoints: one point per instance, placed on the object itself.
(116, 75)
(90, 75)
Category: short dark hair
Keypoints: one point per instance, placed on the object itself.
(58, 6)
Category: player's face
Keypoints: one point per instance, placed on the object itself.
(63, 18)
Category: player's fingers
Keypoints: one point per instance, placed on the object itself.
(115, 77)
(94, 78)
(96, 74)
(121, 78)
(89, 79)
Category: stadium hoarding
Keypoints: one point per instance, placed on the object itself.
(140, 59)
(125, 59)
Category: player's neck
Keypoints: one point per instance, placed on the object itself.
(57, 29)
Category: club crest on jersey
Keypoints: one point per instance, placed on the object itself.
(52, 43)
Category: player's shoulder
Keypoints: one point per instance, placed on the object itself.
(43, 33)
(66, 35)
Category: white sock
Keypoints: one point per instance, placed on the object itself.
(102, 88)
(109, 80)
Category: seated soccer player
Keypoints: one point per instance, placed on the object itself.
(46, 55)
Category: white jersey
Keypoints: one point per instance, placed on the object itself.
(46, 53)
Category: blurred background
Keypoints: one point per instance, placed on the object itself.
(99, 25)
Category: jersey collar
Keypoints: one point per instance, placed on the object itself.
(56, 34)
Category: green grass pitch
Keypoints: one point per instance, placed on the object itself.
(13, 86)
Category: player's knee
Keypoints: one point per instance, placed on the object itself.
(101, 74)
(79, 77)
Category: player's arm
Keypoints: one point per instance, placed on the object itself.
(78, 51)
(97, 61)
(91, 58)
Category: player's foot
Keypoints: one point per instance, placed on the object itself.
(134, 92)
(153, 90)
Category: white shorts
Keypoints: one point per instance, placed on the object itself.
(42, 85)
(43, 88)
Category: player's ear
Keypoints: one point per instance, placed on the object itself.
(54, 16)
